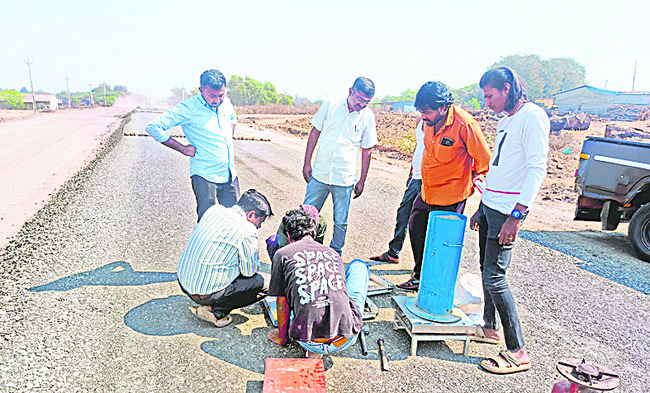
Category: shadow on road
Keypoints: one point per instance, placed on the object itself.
(175, 315)
(607, 254)
(118, 273)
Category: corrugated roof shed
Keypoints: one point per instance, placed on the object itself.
(596, 101)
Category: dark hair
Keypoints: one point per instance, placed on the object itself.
(253, 201)
(364, 85)
(213, 78)
(298, 224)
(498, 77)
(433, 95)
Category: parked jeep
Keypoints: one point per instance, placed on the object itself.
(613, 180)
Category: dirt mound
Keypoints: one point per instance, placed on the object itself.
(396, 134)
(277, 109)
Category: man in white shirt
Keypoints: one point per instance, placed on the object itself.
(517, 169)
(413, 187)
(340, 128)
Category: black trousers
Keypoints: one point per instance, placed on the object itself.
(208, 193)
(243, 291)
(419, 223)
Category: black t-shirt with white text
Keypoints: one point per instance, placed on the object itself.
(312, 278)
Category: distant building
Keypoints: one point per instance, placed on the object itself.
(595, 101)
(403, 106)
(43, 101)
(545, 102)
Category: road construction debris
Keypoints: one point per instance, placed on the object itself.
(237, 138)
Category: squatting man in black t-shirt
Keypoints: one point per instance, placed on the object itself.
(308, 280)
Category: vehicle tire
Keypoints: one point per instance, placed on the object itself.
(639, 232)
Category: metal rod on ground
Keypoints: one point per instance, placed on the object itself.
(383, 360)
(362, 340)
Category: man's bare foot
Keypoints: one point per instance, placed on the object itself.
(493, 334)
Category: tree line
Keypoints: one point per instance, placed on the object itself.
(12, 99)
(241, 91)
(543, 78)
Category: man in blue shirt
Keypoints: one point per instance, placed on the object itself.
(208, 122)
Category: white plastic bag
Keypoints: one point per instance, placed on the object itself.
(468, 296)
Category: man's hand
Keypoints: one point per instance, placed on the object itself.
(189, 150)
(358, 189)
(274, 336)
(473, 222)
(509, 231)
(306, 172)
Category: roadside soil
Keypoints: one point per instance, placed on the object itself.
(40, 152)
(555, 204)
(11, 114)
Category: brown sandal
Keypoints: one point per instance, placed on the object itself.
(505, 364)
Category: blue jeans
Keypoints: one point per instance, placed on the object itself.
(413, 187)
(495, 258)
(357, 275)
(316, 195)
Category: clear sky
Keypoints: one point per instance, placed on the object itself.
(313, 48)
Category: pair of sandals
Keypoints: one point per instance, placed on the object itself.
(504, 362)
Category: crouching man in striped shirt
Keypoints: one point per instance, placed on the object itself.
(219, 267)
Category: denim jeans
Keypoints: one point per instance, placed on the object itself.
(207, 193)
(413, 187)
(316, 195)
(495, 258)
(357, 275)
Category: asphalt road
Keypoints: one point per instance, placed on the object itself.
(89, 300)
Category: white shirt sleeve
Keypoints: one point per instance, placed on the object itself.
(318, 121)
(369, 137)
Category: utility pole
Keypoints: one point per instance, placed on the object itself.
(91, 102)
(29, 67)
(105, 102)
(634, 76)
(67, 85)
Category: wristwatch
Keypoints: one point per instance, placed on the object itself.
(516, 214)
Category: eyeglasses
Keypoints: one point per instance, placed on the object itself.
(361, 100)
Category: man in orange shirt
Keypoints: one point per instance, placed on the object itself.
(455, 154)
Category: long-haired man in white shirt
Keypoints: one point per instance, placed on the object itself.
(517, 169)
